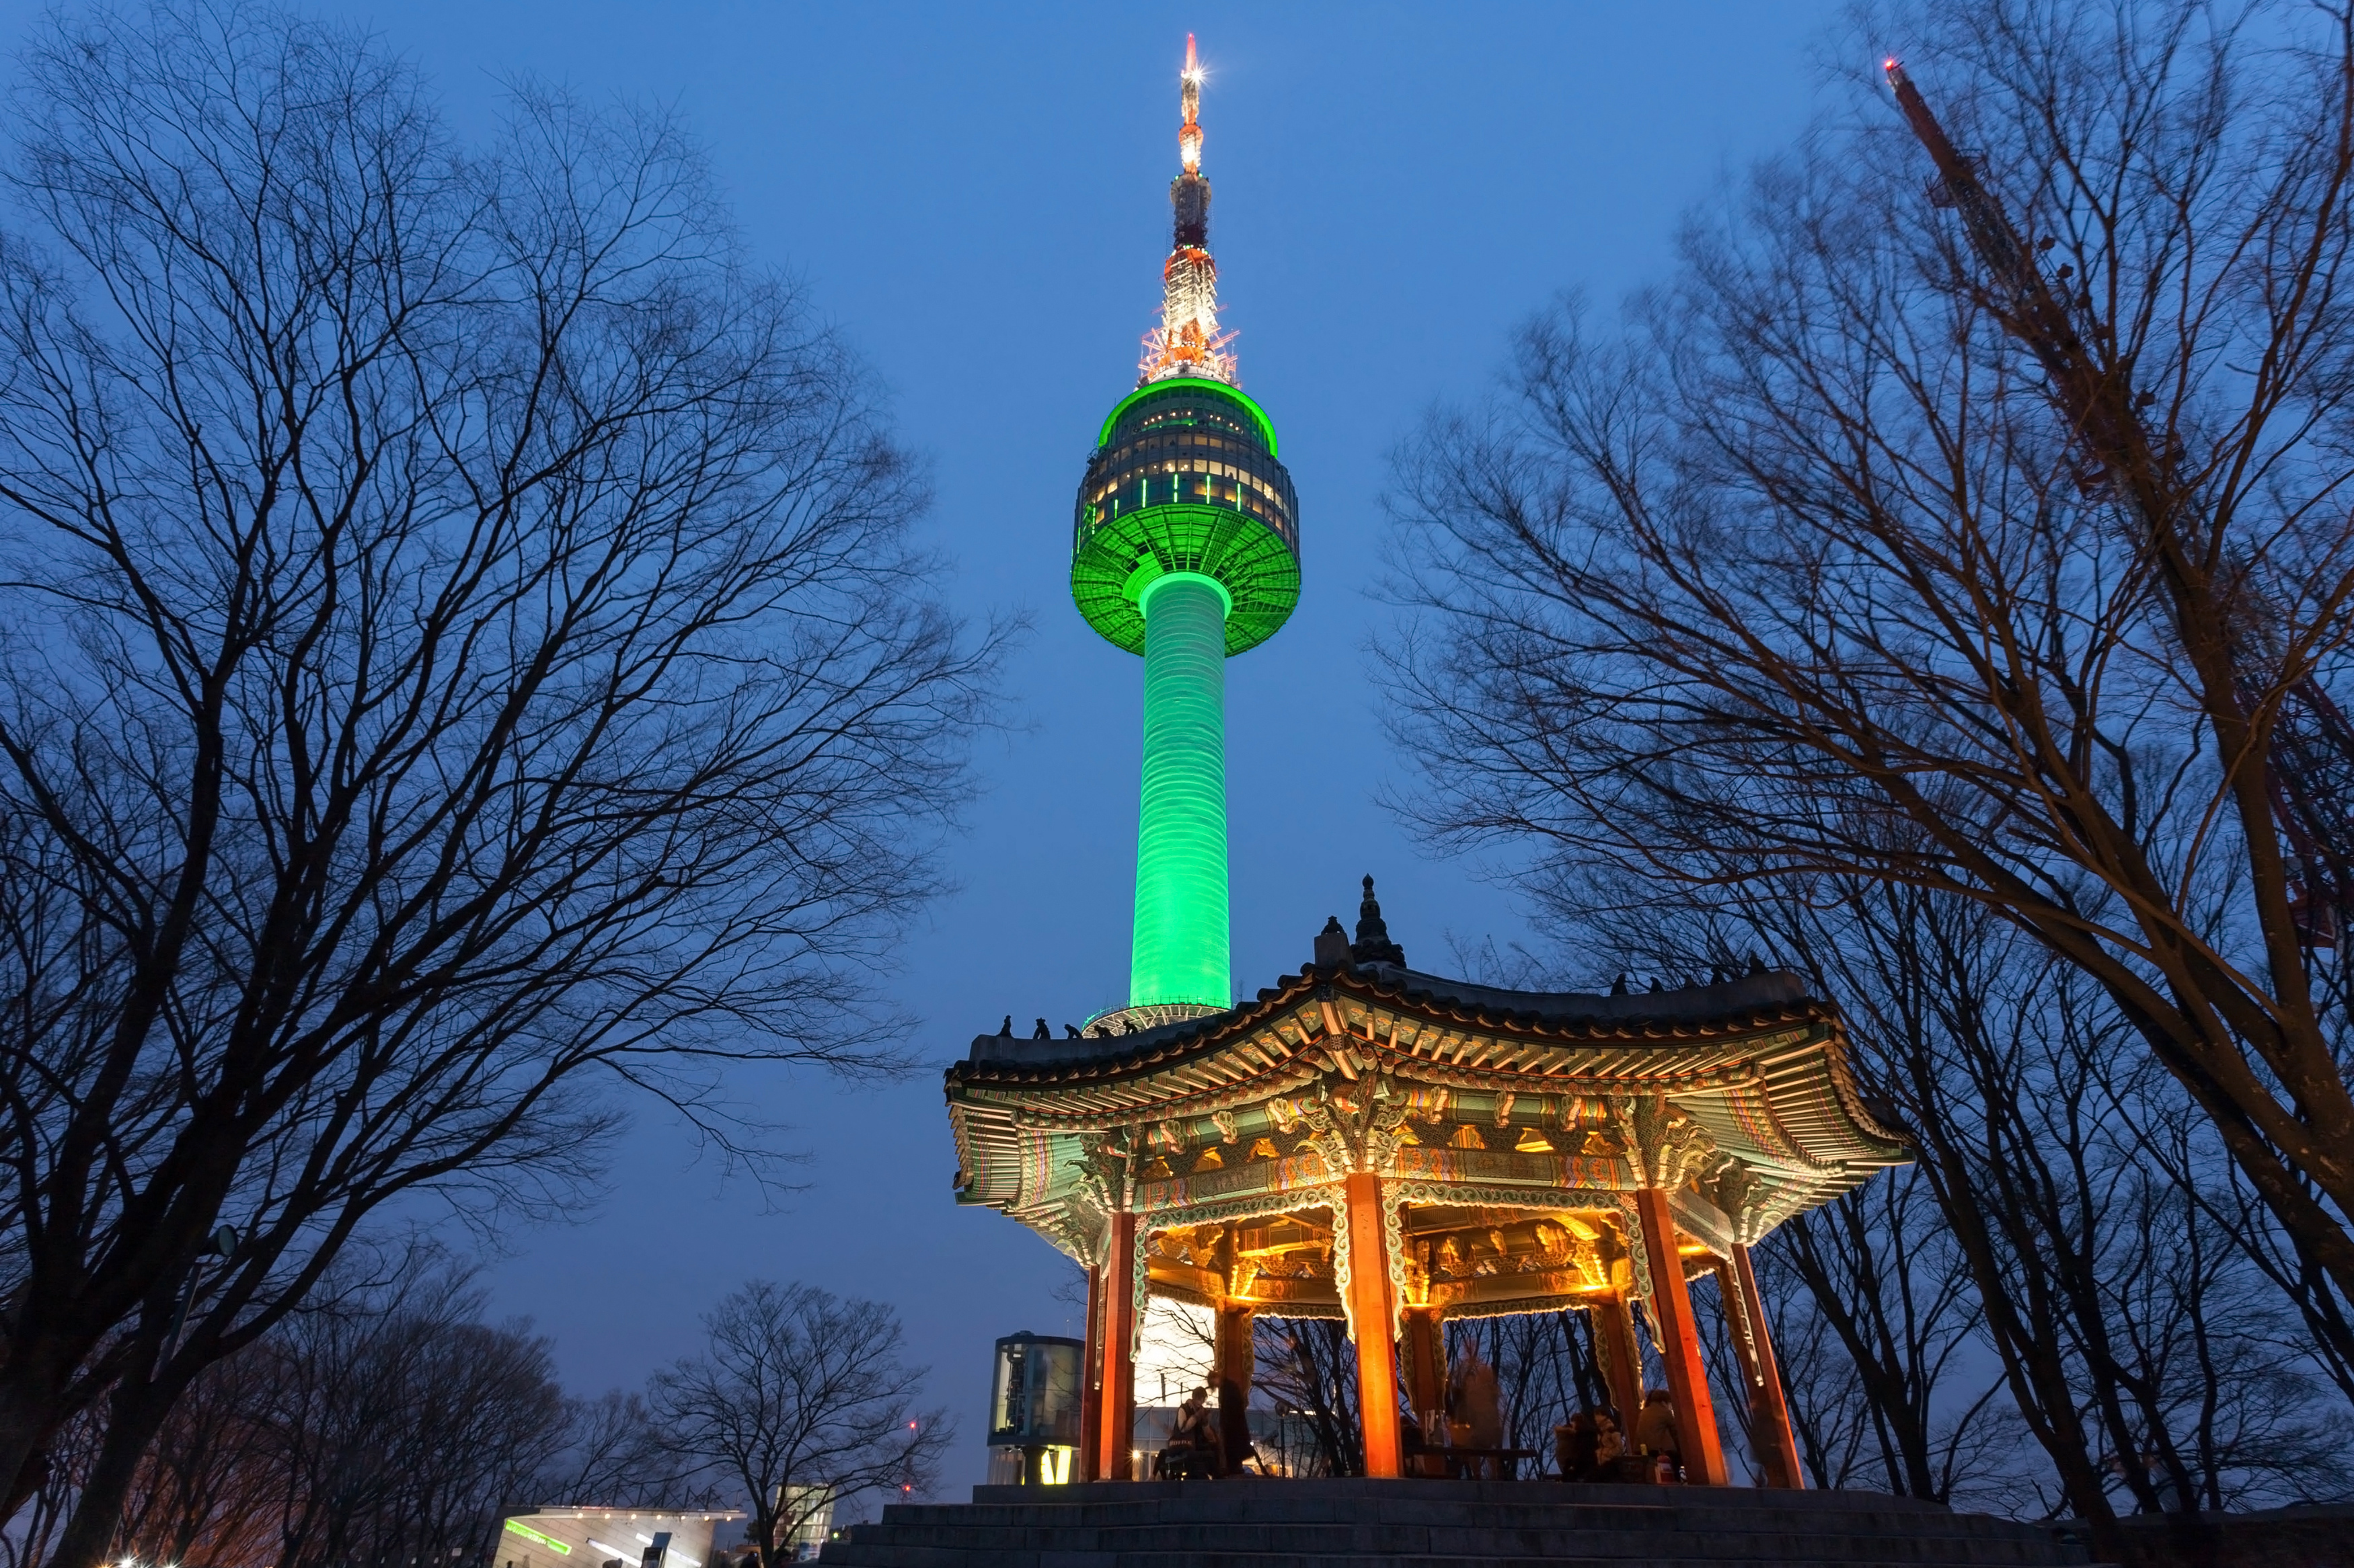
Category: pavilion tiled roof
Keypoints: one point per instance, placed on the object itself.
(1686, 1013)
(1760, 1066)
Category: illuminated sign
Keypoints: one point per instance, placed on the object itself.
(549, 1542)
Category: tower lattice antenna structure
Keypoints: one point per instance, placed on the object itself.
(1186, 550)
(1188, 341)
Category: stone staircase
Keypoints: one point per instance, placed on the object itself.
(1362, 1523)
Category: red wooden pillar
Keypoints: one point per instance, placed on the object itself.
(1369, 1304)
(1622, 1363)
(1426, 1367)
(1671, 1315)
(1091, 1370)
(1236, 1357)
(1769, 1405)
(1116, 1411)
(1424, 1351)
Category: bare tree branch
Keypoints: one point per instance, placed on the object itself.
(802, 1405)
(1808, 576)
(462, 666)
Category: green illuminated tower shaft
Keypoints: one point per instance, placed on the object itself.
(1179, 953)
(1186, 550)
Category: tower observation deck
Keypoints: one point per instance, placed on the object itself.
(1186, 550)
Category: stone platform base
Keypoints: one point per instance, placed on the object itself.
(1248, 1523)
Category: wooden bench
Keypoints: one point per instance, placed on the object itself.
(1459, 1464)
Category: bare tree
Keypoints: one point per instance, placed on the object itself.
(2067, 1214)
(1831, 1413)
(402, 1425)
(462, 657)
(617, 1458)
(1305, 1368)
(1870, 1298)
(1819, 571)
(802, 1402)
(381, 1426)
(28, 1535)
(1546, 1370)
(1877, 1271)
(210, 1489)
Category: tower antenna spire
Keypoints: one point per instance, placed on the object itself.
(1189, 134)
(1188, 342)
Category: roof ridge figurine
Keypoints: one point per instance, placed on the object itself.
(1372, 945)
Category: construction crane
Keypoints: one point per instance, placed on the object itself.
(2310, 757)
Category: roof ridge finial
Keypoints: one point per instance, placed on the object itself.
(1372, 945)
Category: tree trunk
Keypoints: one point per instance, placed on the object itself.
(134, 1416)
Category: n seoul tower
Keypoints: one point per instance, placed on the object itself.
(1187, 551)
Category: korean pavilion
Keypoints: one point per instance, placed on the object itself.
(1369, 1142)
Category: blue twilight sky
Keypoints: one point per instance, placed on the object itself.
(979, 197)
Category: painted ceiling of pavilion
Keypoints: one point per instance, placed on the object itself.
(1510, 1130)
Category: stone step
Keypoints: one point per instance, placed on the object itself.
(881, 1555)
(1428, 1524)
(1466, 1541)
(1213, 1497)
(1270, 1507)
(1615, 1521)
(1350, 1498)
(1812, 1502)
(1453, 1519)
